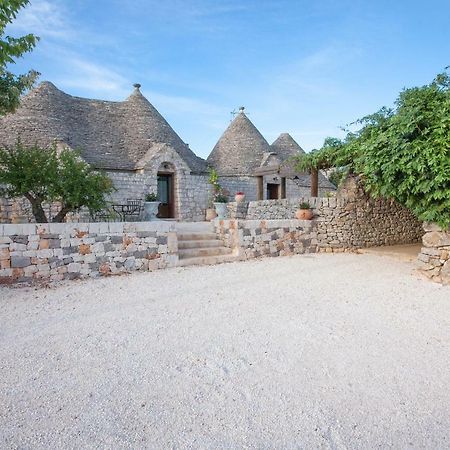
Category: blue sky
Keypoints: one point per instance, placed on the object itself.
(303, 67)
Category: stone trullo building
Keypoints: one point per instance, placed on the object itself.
(141, 153)
(246, 162)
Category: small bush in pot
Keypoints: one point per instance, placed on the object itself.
(220, 204)
(151, 205)
(304, 212)
(151, 197)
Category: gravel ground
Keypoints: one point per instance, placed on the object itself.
(313, 351)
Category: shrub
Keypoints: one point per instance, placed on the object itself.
(221, 198)
(305, 205)
(44, 175)
(151, 197)
(401, 153)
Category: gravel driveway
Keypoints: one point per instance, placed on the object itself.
(313, 351)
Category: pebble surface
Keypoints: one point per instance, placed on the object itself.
(309, 351)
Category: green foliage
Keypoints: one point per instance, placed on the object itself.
(221, 198)
(214, 180)
(46, 175)
(305, 205)
(402, 153)
(13, 86)
(338, 175)
(219, 194)
(151, 197)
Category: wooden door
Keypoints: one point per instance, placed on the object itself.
(165, 196)
(272, 191)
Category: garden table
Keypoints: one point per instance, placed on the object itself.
(127, 209)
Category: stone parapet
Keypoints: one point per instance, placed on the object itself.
(58, 251)
(341, 222)
(254, 238)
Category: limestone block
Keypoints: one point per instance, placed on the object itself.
(73, 267)
(436, 239)
(20, 261)
(44, 253)
(30, 270)
(445, 272)
(430, 226)
(172, 242)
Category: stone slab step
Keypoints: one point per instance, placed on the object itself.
(207, 260)
(202, 252)
(194, 227)
(196, 236)
(200, 244)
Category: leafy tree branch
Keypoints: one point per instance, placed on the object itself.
(13, 86)
(46, 175)
(401, 153)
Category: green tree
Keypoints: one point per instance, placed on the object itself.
(46, 175)
(401, 153)
(13, 86)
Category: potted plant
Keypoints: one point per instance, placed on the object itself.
(239, 197)
(219, 198)
(304, 212)
(151, 205)
(210, 212)
(220, 204)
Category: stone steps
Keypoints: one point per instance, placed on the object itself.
(199, 244)
(202, 252)
(182, 236)
(206, 260)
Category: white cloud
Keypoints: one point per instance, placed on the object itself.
(43, 18)
(93, 78)
(182, 105)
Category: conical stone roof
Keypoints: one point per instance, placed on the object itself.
(240, 150)
(109, 135)
(285, 146)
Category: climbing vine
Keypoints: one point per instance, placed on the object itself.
(401, 153)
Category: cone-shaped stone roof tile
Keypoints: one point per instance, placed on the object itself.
(240, 150)
(109, 135)
(285, 146)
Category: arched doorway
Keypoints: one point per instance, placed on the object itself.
(166, 191)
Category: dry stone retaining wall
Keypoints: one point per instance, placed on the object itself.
(254, 238)
(76, 250)
(434, 257)
(352, 219)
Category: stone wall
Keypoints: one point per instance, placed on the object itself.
(254, 238)
(355, 224)
(51, 252)
(192, 194)
(240, 184)
(295, 191)
(434, 258)
(351, 220)
(18, 210)
(248, 185)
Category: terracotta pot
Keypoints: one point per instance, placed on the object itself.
(304, 214)
(239, 198)
(210, 214)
